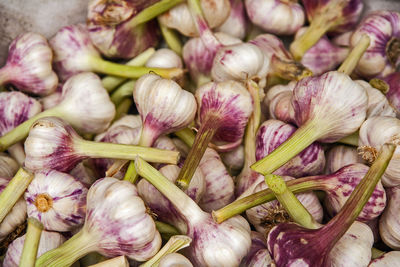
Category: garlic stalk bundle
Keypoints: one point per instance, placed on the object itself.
(284, 17)
(116, 224)
(53, 144)
(161, 206)
(389, 222)
(382, 56)
(326, 16)
(291, 244)
(212, 244)
(393, 95)
(340, 156)
(233, 160)
(180, 18)
(28, 65)
(74, 53)
(282, 63)
(258, 255)
(48, 241)
(175, 259)
(57, 200)
(272, 133)
(8, 166)
(371, 139)
(222, 112)
(235, 25)
(388, 259)
(317, 117)
(323, 56)
(15, 217)
(85, 105)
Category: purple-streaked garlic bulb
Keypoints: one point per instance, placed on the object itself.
(389, 223)
(199, 59)
(382, 56)
(220, 188)
(116, 224)
(114, 30)
(161, 206)
(234, 159)
(258, 255)
(393, 95)
(48, 241)
(236, 24)
(223, 109)
(267, 215)
(327, 108)
(174, 260)
(53, 144)
(282, 63)
(326, 16)
(340, 156)
(53, 99)
(15, 217)
(284, 17)
(74, 53)
(343, 39)
(57, 200)
(164, 58)
(388, 259)
(85, 173)
(8, 166)
(375, 132)
(180, 18)
(28, 65)
(277, 103)
(273, 133)
(323, 56)
(212, 244)
(163, 106)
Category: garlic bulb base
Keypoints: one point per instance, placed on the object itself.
(393, 51)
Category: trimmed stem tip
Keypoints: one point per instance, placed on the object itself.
(31, 244)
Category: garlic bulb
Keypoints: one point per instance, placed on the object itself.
(163, 106)
(57, 200)
(219, 189)
(116, 224)
(234, 159)
(85, 173)
(8, 166)
(258, 255)
(382, 56)
(372, 137)
(51, 101)
(389, 222)
(236, 24)
(174, 260)
(179, 17)
(277, 103)
(164, 58)
(272, 133)
(15, 217)
(393, 95)
(388, 259)
(48, 241)
(340, 156)
(28, 65)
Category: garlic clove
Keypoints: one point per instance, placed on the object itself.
(8, 166)
(164, 58)
(236, 24)
(389, 222)
(85, 173)
(339, 156)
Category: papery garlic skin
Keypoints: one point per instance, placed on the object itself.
(234, 159)
(382, 56)
(163, 106)
(219, 190)
(28, 65)
(179, 17)
(15, 217)
(389, 223)
(376, 131)
(273, 133)
(388, 259)
(277, 103)
(340, 156)
(393, 95)
(48, 241)
(57, 200)
(85, 173)
(236, 24)
(258, 255)
(164, 58)
(8, 166)
(174, 260)
(284, 17)
(354, 247)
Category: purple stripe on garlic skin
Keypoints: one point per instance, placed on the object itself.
(15, 217)
(179, 17)
(48, 241)
(284, 17)
(236, 24)
(8, 166)
(28, 65)
(340, 156)
(272, 133)
(382, 56)
(57, 200)
(258, 255)
(219, 190)
(163, 106)
(391, 258)
(389, 223)
(393, 95)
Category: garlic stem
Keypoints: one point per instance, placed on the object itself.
(187, 136)
(171, 37)
(111, 82)
(302, 138)
(106, 67)
(166, 230)
(356, 53)
(351, 139)
(289, 70)
(120, 151)
(120, 261)
(13, 191)
(123, 108)
(17, 152)
(131, 174)
(123, 91)
(376, 253)
(379, 84)
(203, 138)
(174, 244)
(73, 249)
(31, 244)
(289, 201)
(184, 204)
